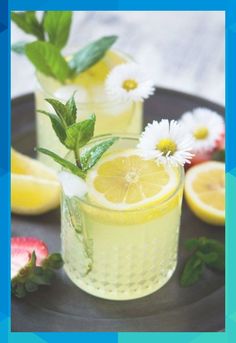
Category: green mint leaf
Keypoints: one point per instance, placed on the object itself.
(219, 156)
(80, 133)
(207, 258)
(71, 110)
(28, 22)
(57, 125)
(60, 110)
(48, 60)
(57, 25)
(213, 246)
(192, 271)
(19, 47)
(90, 156)
(64, 163)
(91, 54)
(67, 112)
(192, 244)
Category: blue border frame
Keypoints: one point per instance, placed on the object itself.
(226, 5)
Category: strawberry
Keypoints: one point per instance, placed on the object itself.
(201, 157)
(31, 265)
(220, 143)
(215, 154)
(21, 251)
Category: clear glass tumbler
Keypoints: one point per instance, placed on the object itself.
(121, 255)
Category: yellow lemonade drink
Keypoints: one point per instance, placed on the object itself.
(111, 116)
(120, 241)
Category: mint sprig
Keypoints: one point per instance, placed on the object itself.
(206, 253)
(32, 276)
(74, 136)
(52, 33)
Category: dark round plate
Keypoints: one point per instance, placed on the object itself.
(64, 307)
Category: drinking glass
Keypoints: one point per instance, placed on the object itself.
(121, 255)
(112, 116)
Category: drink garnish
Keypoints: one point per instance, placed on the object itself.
(166, 142)
(129, 81)
(52, 33)
(74, 136)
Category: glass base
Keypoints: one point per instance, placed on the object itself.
(112, 295)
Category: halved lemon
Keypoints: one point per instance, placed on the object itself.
(34, 187)
(205, 191)
(126, 181)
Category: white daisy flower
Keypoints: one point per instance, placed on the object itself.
(128, 82)
(166, 142)
(205, 127)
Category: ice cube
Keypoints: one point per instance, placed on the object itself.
(72, 184)
(65, 92)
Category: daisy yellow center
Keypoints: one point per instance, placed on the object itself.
(167, 146)
(129, 85)
(201, 133)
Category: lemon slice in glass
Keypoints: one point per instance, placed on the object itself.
(126, 181)
(34, 187)
(205, 191)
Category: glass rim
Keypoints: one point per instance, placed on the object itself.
(131, 137)
(87, 103)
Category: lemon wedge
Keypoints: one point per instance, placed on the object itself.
(34, 187)
(126, 181)
(205, 191)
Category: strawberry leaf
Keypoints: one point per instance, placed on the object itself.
(31, 286)
(32, 276)
(54, 261)
(219, 156)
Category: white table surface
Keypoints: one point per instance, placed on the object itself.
(183, 50)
